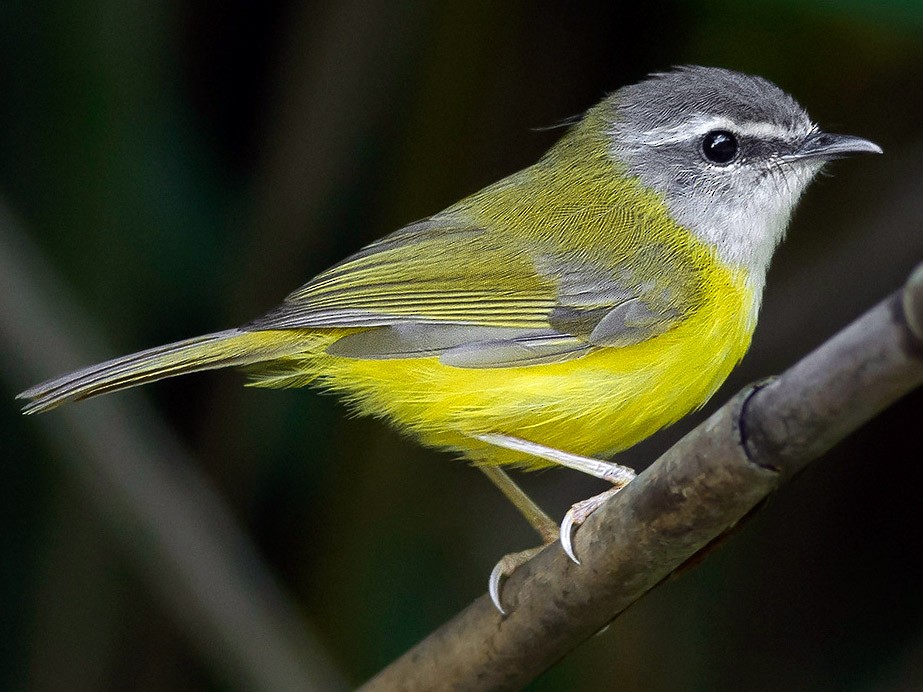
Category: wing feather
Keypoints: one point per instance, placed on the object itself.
(477, 300)
(406, 277)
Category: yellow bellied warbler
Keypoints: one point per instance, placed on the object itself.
(559, 315)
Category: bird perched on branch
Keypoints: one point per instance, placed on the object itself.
(555, 317)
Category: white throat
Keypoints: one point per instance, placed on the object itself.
(746, 229)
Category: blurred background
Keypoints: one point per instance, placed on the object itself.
(173, 168)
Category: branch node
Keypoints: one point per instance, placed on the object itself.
(743, 432)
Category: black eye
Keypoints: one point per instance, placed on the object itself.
(719, 146)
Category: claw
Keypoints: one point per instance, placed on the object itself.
(503, 569)
(493, 586)
(579, 513)
(567, 536)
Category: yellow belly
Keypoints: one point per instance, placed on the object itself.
(595, 405)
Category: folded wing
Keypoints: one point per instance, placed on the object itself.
(478, 300)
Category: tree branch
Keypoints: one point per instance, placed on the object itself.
(697, 491)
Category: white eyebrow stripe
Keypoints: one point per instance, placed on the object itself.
(696, 127)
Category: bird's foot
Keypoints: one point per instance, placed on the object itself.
(618, 475)
(504, 568)
(579, 513)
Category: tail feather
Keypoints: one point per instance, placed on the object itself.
(232, 347)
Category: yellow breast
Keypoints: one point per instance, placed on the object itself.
(596, 405)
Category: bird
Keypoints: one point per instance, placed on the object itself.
(558, 316)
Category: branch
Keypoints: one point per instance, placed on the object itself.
(697, 491)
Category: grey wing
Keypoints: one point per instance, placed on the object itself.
(572, 306)
(462, 346)
(466, 346)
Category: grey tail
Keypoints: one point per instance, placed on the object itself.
(232, 347)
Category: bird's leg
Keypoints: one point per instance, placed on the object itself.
(618, 475)
(540, 521)
(543, 524)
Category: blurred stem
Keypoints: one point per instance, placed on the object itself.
(337, 82)
(164, 514)
(702, 487)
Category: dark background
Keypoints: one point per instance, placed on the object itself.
(184, 165)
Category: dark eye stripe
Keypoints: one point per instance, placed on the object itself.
(759, 148)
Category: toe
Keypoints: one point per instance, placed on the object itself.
(503, 569)
(567, 535)
(576, 515)
(493, 586)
